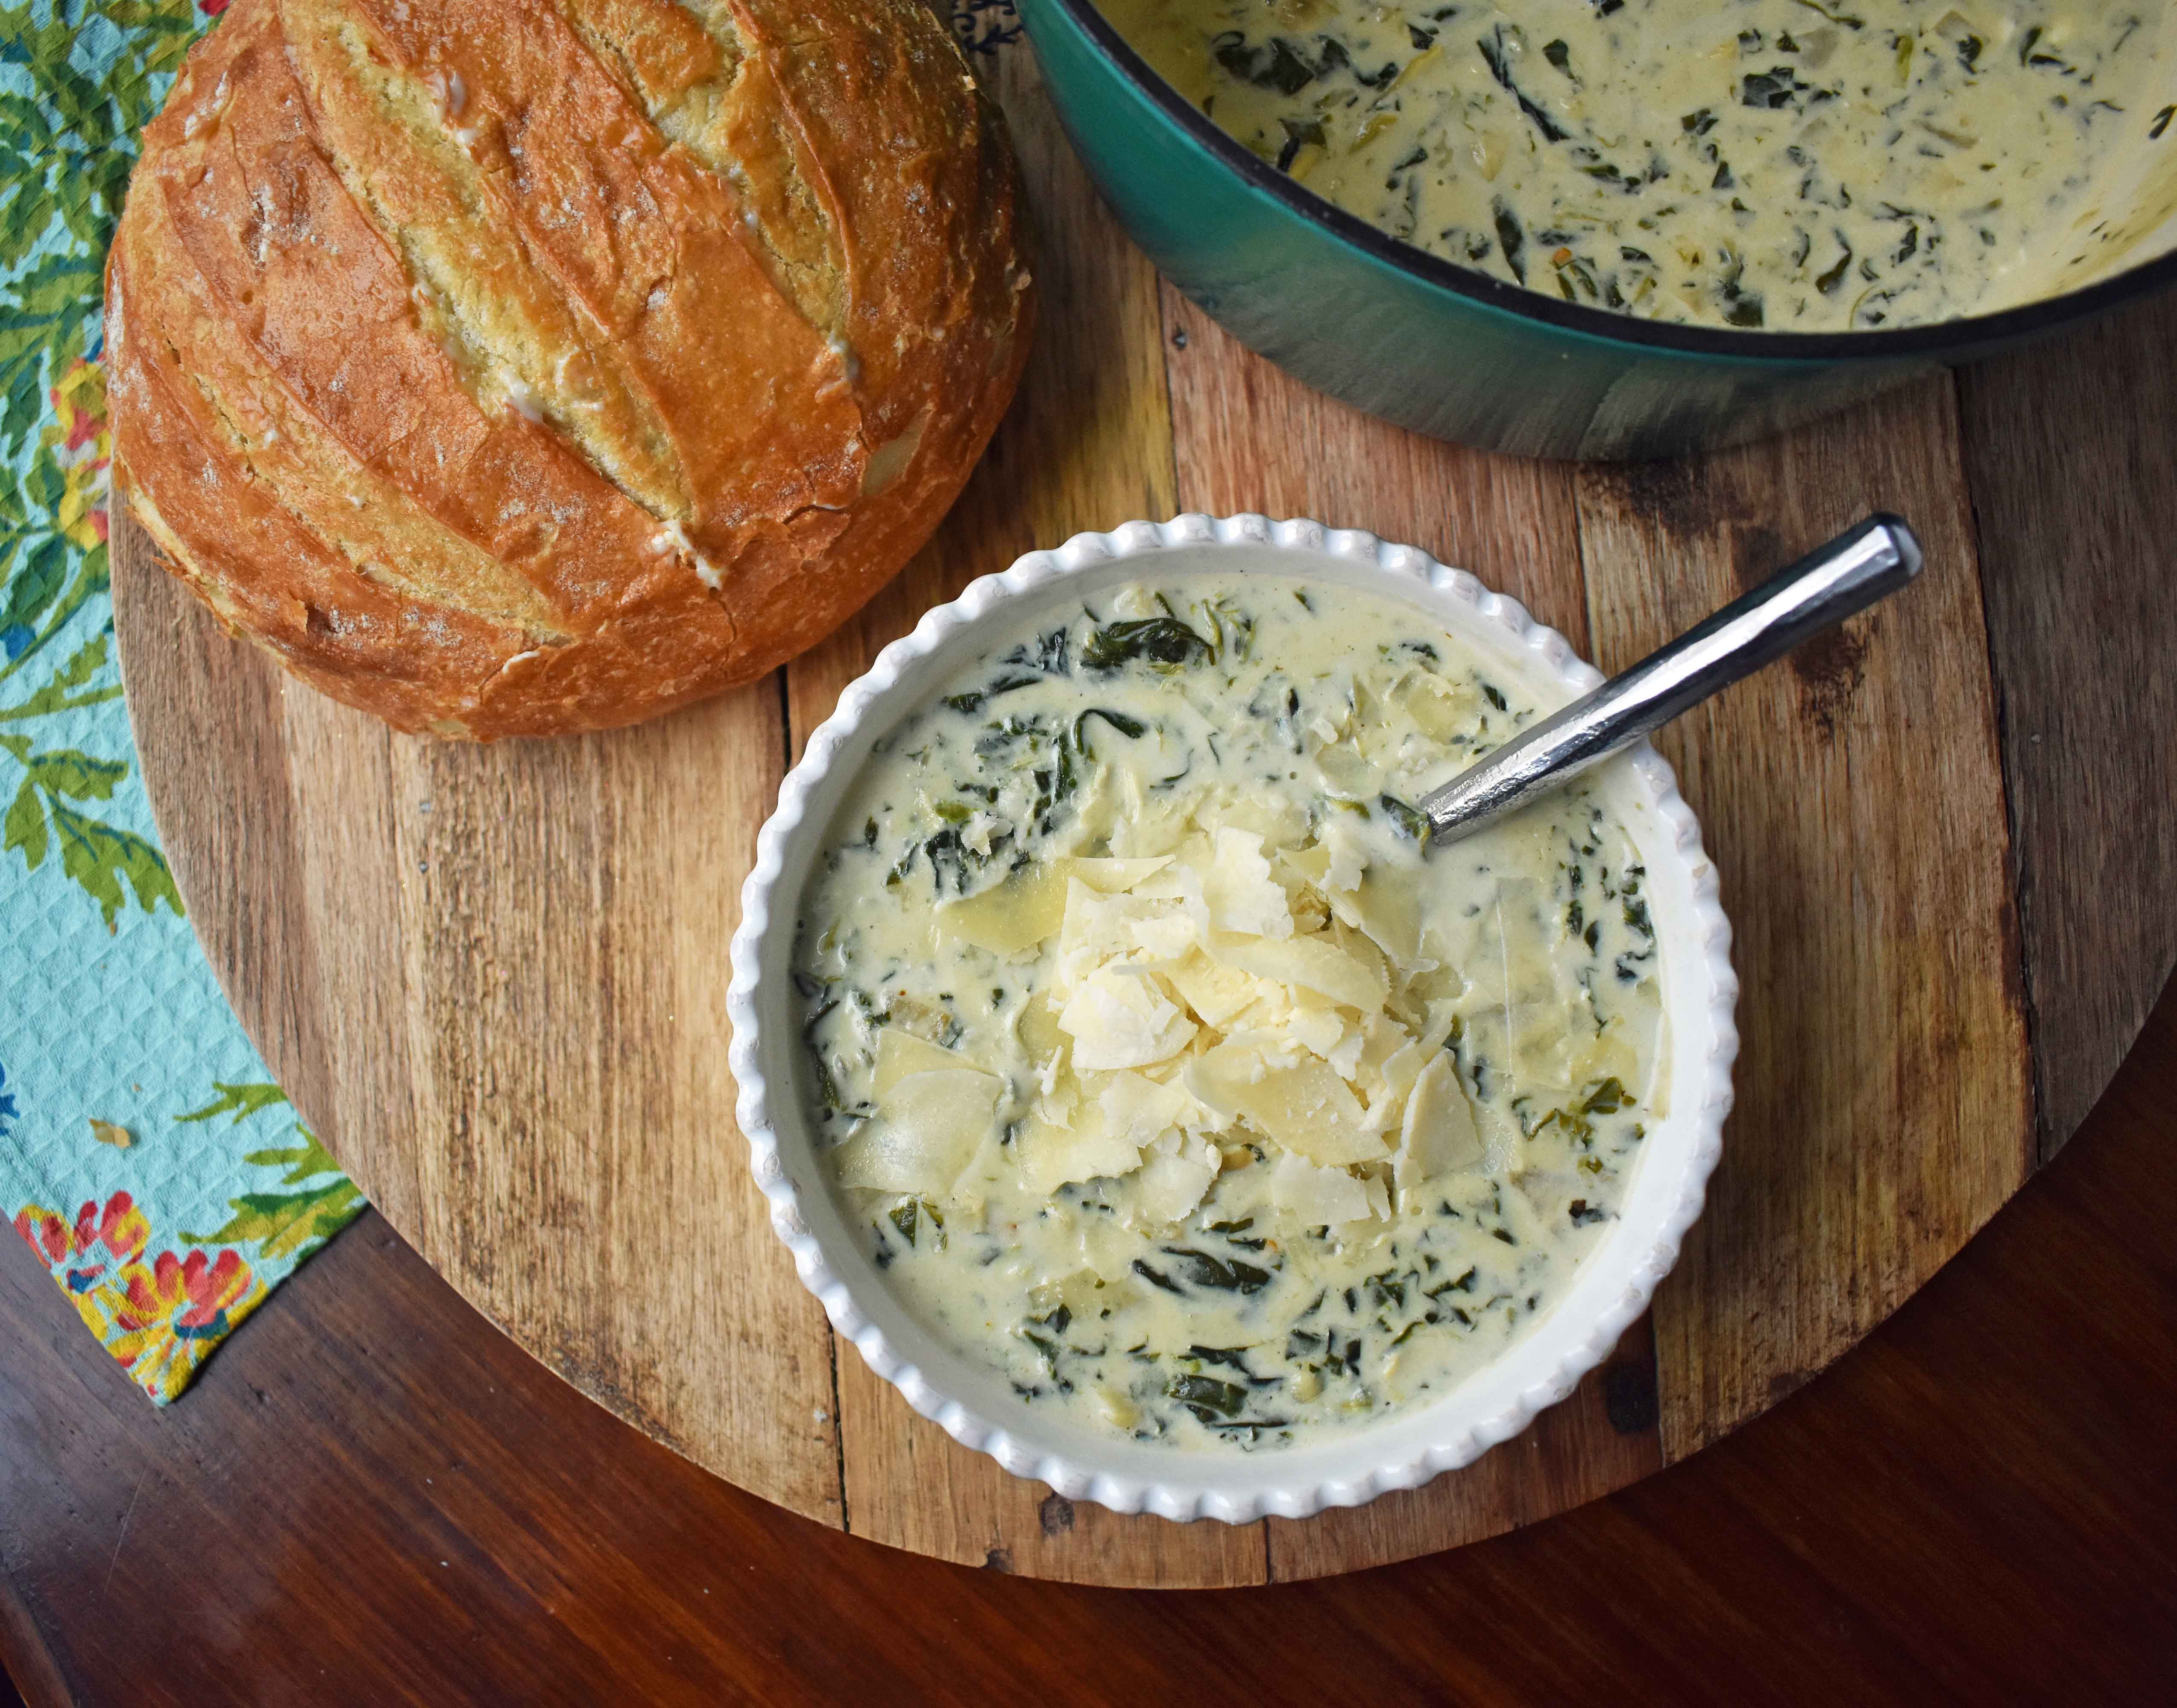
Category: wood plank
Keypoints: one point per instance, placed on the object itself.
(1852, 800)
(2070, 449)
(495, 980)
(1250, 437)
(204, 710)
(928, 1494)
(610, 1128)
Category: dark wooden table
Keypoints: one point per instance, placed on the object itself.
(371, 1496)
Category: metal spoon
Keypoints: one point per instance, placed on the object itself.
(1851, 572)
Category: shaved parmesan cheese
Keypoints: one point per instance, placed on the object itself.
(1121, 1020)
(1313, 963)
(1316, 1197)
(1349, 858)
(1531, 1036)
(1114, 877)
(1438, 1133)
(901, 1054)
(1518, 970)
(1038, 1028)
(1010, 917)
(1347, 772)
(1272, 1007)
(1165, 938)
(1280, 819)
(1139, 1109)
(1238, 890)
(1099, 928)
(924, 1133)
(1030, 904)
(943, 1101)
(1438, 710)
(1306, 1106)
(1389, 913)
(990, 1172)
(1068, 1140)
(1175, 1177)
(1383, 1038)
(1542, 1050)
(1312, 863)
(1319, 1028)
(1346, 1055)
(1140, 821)
(1395, 1077)
(1503, 1146)
(1214, 992)
(1371, 959)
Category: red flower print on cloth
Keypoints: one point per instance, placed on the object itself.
(158, 1316)
(190, 1294)
(82, 446)
(81, 1256)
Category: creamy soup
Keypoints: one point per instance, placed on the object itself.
(1160, 1066)
(1796, 165)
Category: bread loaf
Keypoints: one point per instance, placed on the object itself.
(509, 368)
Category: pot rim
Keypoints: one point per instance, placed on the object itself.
(1949, 340)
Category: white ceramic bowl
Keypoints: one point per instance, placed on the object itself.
(971, 1401)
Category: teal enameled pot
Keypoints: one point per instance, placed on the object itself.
(1454, 352)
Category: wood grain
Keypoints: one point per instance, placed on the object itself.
(369, 1497)
(1250, 437)
(493, 978)
(1853, 803)
(2070, 450)
(1602, 1437)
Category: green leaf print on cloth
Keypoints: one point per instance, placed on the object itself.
(282, 1224)
(110, 1019)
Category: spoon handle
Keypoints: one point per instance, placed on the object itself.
(1861, 565)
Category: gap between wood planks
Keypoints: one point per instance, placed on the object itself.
(789, 750)
(2014, 864)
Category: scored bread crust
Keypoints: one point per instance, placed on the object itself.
(511, 367)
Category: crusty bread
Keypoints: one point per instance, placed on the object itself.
(509, 368)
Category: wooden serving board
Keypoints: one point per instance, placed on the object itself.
(495, 979)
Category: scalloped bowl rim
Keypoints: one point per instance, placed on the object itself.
(1613, 1283)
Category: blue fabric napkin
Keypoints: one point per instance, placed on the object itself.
(145, 1157)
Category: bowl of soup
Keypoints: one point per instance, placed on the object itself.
(1144, 1096)
(1627, 228)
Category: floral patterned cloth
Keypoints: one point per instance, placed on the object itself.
(145, 1159)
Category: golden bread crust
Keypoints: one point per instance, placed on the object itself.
(511, 367)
